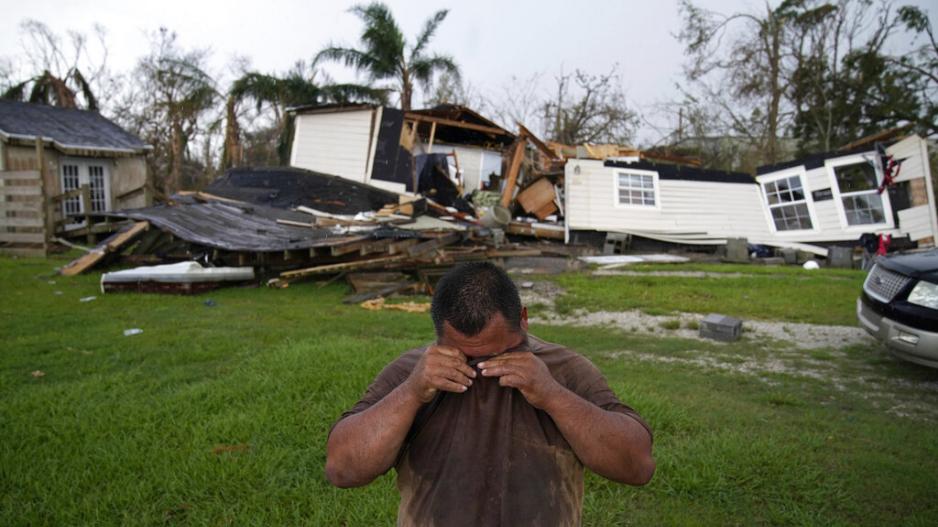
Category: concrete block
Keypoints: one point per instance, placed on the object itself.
(737, 250)
(721, 327)
(840, 257)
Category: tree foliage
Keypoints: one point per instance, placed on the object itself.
(273, 95)
(385, 55)
(589, 108)
(55, 68)
(820, 72)
(173, 102)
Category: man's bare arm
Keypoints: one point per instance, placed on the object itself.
(611, 444)
(363, 446)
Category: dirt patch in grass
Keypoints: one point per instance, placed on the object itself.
(786, 334)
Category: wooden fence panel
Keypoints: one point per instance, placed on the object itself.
(21, 192)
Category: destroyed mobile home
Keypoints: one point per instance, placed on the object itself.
(388, 199)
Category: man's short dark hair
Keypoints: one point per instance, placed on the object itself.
(470, 294)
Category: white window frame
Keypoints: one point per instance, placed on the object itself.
(830, 165)
(802, 174)
(629, 172)
(84, 178)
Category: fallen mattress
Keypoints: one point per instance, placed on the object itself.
(178, 273)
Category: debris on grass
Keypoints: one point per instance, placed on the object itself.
(238, 448)
(38, 373)
(132, 331)
(378, 304)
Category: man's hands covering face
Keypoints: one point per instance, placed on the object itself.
(440, 368)
(524, 371)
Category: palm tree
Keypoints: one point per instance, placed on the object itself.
(386, 55)
(54, 91)
(278, 94)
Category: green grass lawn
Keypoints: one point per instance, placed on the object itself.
(218, 415)
(823, 296)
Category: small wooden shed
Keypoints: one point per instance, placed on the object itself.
(59, 166)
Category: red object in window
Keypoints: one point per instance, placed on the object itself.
(884, 241)
(890, 172)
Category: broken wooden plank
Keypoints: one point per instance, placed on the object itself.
(108, 246)
(524, 132)
(455, 124)
(512, 253)
(517, 155)
(358, 298)
(440, 209)
(346, 248)
(341, 267)
(527, 229)
(292, 223)
(362, 282)
(398, 247)
(434, 244)
(377, 246)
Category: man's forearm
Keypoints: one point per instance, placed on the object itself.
(609, 443)
(363, 446)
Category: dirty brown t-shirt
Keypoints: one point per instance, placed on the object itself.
(486, 456)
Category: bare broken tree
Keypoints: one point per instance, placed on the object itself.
(519, 100)
(64, 72)
(589, 109)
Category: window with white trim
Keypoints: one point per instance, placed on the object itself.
(859, 193)
(636, 189)
(76, 173)
(787, 204)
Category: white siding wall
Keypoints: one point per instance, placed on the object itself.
(826, 214)
(334, 143)
(916, 222)
(689, 209)
(914, 151)
(910, 150)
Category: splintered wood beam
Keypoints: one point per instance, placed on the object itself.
(341, 267)
(110, 245)
(431, 245)
(524, 132)
(358, 298)
(517, 155)
(432, 137)
(455, 124)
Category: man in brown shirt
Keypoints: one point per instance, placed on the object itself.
(489, 425)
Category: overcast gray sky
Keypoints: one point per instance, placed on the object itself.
(490, 39)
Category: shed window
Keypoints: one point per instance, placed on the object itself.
(636, 189)
(863, 205)
(77, 173)
(786, 200)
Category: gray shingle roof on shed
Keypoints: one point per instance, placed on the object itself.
(67, 128)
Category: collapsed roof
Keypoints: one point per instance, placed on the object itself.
(235, 226)
(288, 187)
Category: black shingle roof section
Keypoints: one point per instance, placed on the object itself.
(679, 172)
(69, 128)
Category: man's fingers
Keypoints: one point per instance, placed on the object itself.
(506, 358)
(466, 370)
(452, 363)
(450, 386)
(449, 352)
(498, 370)
(511, 381)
